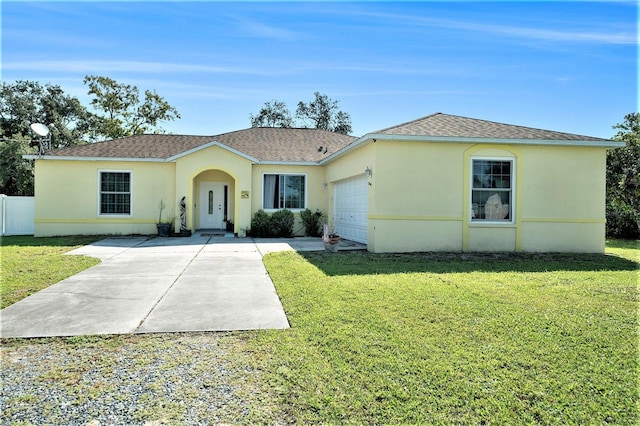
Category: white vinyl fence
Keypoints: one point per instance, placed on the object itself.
(18, 214)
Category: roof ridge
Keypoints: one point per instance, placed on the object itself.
(309, 129)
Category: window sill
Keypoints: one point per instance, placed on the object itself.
(284, 208)
(115, 216)
(478, 224)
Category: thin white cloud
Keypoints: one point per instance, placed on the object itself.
(155, 67)
(89, 66)
(392, 92)
(544, 34)
(626, 36)
(261, 30)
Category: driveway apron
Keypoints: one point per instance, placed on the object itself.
(154, 285)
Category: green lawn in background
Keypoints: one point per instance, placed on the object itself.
(29, 264)
(447, 338)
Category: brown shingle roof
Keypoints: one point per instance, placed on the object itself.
(138, 146)
(277, 144)
(264, 144)
(273, 144)
(445, 125)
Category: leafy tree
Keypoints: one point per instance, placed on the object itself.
(122, 112)
(25, 102)
(272, 114)
(623, 181)
(16, 173)
(321, 113)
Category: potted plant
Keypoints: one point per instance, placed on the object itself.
(164, 227)
(331, 240)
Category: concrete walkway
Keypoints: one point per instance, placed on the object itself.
(200, 283)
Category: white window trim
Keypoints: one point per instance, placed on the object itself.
(99, 198)
(306, 186)
(512, 205)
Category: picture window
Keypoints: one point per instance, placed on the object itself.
(283, 191)
(492, 190)
(115, 193)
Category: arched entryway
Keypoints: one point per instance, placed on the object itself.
(214, 196)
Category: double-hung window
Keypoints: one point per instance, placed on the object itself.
(492, 190)
(115, 193)
(283, 191)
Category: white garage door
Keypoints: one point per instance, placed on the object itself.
(351, 198)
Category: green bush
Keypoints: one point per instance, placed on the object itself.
(278, 224)
(282, 223)
(312, 222)
(261, 224)
(622, 221)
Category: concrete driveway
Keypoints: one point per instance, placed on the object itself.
(200, 283)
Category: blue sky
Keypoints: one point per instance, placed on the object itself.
(567, 66)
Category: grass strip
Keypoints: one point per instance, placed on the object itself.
(28, 264)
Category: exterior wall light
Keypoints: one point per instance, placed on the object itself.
(368, 172)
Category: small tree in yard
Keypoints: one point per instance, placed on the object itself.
(623, 181)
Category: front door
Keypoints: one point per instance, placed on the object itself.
(212, 205)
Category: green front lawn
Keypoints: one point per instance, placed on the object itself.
(382, 339)
(423, 339)
(28, 264)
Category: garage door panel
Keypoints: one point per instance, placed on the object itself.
(351, 198)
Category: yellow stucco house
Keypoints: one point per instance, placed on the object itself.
(438, 183)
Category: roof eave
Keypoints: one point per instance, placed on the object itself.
(506, 141)
(139, 159)
(288, 163)
(73, 158)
